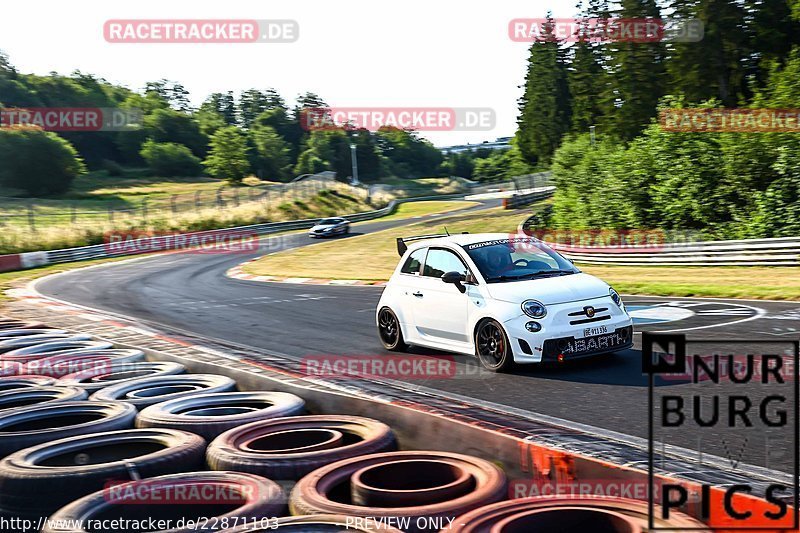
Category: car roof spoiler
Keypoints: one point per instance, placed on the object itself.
(401, 241)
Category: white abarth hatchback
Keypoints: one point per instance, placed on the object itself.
(504, 298)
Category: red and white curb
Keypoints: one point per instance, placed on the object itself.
(238, 272)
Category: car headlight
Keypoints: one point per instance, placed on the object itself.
(615, 296)
(534, 309)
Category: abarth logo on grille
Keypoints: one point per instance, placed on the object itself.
(589, 310)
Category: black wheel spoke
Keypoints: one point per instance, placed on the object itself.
(388, 326)
(491, 344)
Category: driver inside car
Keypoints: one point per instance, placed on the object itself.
(498, 261)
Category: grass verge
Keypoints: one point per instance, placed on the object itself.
(9, 280)
(373, 257)
(419, 209)
(63, 234)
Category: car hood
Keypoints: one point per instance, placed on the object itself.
(550, 290)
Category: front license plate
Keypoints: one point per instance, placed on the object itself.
(598, 330)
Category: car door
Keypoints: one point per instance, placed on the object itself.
(440, 309)
(407, 283)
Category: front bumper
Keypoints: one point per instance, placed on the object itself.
(568, 348)
(563, 333)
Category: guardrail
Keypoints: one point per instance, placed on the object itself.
(516, 201)
(781, 251)
(25, 260)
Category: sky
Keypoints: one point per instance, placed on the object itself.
(353, 53)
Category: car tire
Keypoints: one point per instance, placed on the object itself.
(39, 480)
(290, 448)
(326, 490)
(75, 360)
(492, 347)
(30, 396)
(23, 381)
(261, 498)
(12, 323)
(6, 334)
(43, 343)
(145, 392)
(94, 379)
(29, 426)
(390, 332)
(208, 415)
(51, 348)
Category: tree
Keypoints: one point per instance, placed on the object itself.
(636, 74)
(209, 119)
(224, 104)
(492, 168)
(545, 105)
(170, 126)
(408, 155)
(309, 163)
(459, 164)
(270, 154)
(718, 66)
(170, 159)
(253, 102)
(172, 92)
(5, 64)
(585, 77)
(227, 158)
(40, 163)
(278, 118)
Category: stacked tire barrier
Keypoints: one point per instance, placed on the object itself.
(96, 433)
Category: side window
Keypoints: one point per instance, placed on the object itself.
(412, 264)
(440, 261)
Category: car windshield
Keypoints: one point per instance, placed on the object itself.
(326, 221)
(516, 259)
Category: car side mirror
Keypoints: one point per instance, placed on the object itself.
(457, 279)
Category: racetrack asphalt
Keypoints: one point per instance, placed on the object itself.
(189, 292)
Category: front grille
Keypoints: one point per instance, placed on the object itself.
(587, 320)
(597, 317)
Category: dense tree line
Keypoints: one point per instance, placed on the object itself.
(227, 136)
(637, 174)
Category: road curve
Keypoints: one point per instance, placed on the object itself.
(190, 292)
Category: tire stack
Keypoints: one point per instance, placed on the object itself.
(88, 431)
